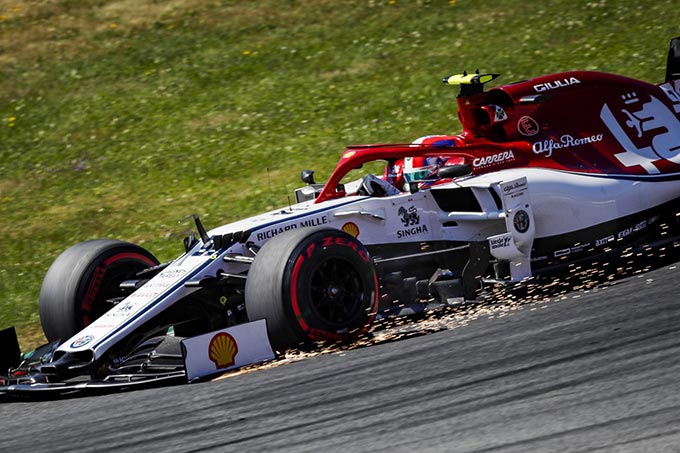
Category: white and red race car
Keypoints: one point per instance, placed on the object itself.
(561, 169)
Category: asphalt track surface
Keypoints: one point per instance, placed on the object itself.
(594, 371)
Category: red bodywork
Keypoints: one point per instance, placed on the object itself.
(587, 122)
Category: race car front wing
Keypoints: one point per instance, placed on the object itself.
(156, 362)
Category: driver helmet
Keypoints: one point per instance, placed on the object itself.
(401, 172)
(394, 173)
(422, 170)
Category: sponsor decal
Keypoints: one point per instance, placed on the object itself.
(409, 217)
(647, 129)
(351, 228)
(515, 189)
(569, 251)
(348, 154)
(82, 341)
(268, 234)
(561, 83)
(521, 221)
(210, 353)
(122, 309)
(499, 158)
(263, 235)
(500, 242)
(611, 238)
(640, 226)
(625, 233)
(144, 294)
(566, 141)
(222, 350)
(580, 248)
(415, 231)
(157, 284)
(316, 221)
(411, 220)
(174, 272)
(527, 126)
(604, 240)
(563, 252)
(500, 114)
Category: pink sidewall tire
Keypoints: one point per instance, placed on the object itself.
(80, 281)
(312, 284)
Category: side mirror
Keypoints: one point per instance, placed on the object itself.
(307, 176)
(455, 171)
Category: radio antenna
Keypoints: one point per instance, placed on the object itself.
(269, 185)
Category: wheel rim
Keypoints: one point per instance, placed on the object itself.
(336, 291)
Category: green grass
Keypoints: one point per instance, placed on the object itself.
(118, 118)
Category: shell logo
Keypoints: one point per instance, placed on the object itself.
(351, 228)
(222, 350)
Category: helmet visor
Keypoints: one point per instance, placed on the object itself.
(421, 174)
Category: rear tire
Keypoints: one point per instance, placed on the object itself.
(312, 285)
(81, 280)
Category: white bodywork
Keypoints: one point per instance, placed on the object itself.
(555, 202)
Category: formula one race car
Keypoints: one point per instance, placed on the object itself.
(546, 173)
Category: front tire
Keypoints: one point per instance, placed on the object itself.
(81, 280)
(312, 285)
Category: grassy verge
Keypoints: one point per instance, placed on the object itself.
(120, 117)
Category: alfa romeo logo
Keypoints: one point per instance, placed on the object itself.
(521, 221)
(82, 341)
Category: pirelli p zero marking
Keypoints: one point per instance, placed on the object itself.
(132, 260)
(347, 242)
(82, 279)
(320, 285)
(296, 306)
